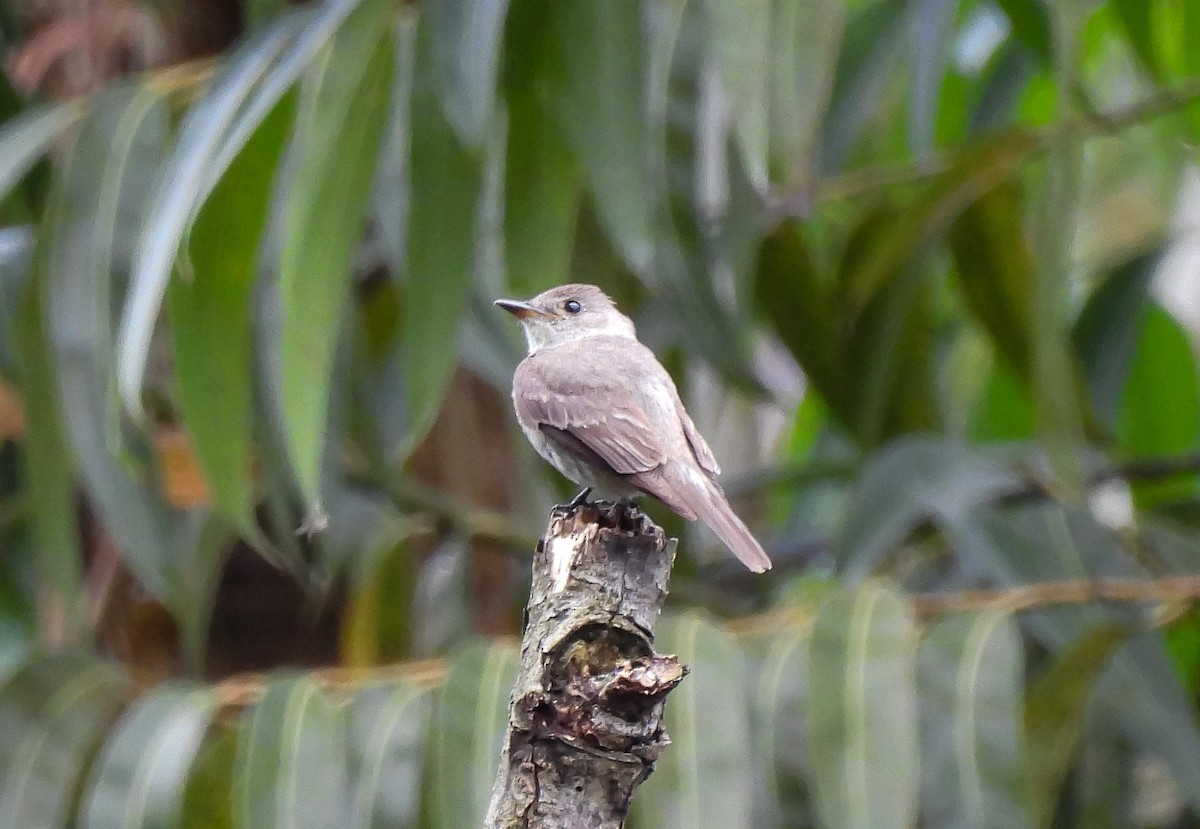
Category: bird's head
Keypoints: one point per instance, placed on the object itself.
(568, 312)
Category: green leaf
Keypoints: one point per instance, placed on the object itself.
(1006, 411)
(141, 774)
(806, 38)
(187, 177)
(96, 209)
(781, 739)
(388, 731)
(1160, 413)
(392, 196)
(199, 544)
(1106, 333)
(1104, 787)
(446, 184)
(211, 315)
(791, 292)
(970, 676)
(48, 464)
(290, 771)
(314, 28)
(866, 68)
(891, 353)
(53, 712)
(933, 36)
(1054, 713)
(339, 127)
(1142, 697)
(258, 13)
(471, 720)
(913, 479)
(207, 801)
(598, 97)
(466, 37)
(739, 41)
(1140, 693)
(25, 139)
(1136, 18)
(994, 266)
(863, 710)
(17, 245)
(254, 80)
(979, 170)
(1031, 23)
(542, 181)
(707, 720)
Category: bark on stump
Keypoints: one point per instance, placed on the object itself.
(585, 717)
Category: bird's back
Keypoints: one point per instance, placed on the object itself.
(618, 374)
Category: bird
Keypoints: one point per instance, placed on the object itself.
(600, 408)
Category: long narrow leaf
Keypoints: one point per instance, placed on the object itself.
(446, 186)
(388, 730)
(782, 737)
(471, 718)
(339, 129)
(542, 179)
(707, 720)
(970, 676)
(598, 97)
(140, 776)
(50, 468)
(1137, 18)
(995, 269)
(26, 139)
(392, 198)
(740, 44)
(181, 191)
(862, 710)
(97, 208)
(466, 36)
(806, 39)
(1054, 712)
(290, 771)
(1106, 333)
(211, 321)
(255, 79)
(791, 293)
(1160, 412)
(52, 713)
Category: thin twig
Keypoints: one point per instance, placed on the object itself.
(867, 180)
(1171, 590)
(1052, 593)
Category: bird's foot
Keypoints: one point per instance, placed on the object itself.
(580, 500)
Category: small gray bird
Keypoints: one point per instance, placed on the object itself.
(598, 406)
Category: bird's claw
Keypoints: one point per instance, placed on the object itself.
(580, 500)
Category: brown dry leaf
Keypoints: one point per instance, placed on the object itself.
(79, 47)
(12, 414)
(184, 480)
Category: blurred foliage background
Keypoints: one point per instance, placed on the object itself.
(927, 272)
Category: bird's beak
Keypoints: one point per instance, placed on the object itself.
(520, 310)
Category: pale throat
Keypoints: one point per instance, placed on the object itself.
(540, 334)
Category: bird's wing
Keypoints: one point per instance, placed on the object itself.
(704, 455)
(584, 403)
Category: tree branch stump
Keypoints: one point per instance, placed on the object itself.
(585, 717)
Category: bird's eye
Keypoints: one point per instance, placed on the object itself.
(572, 306)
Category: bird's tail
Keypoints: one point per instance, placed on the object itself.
(713, 509)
